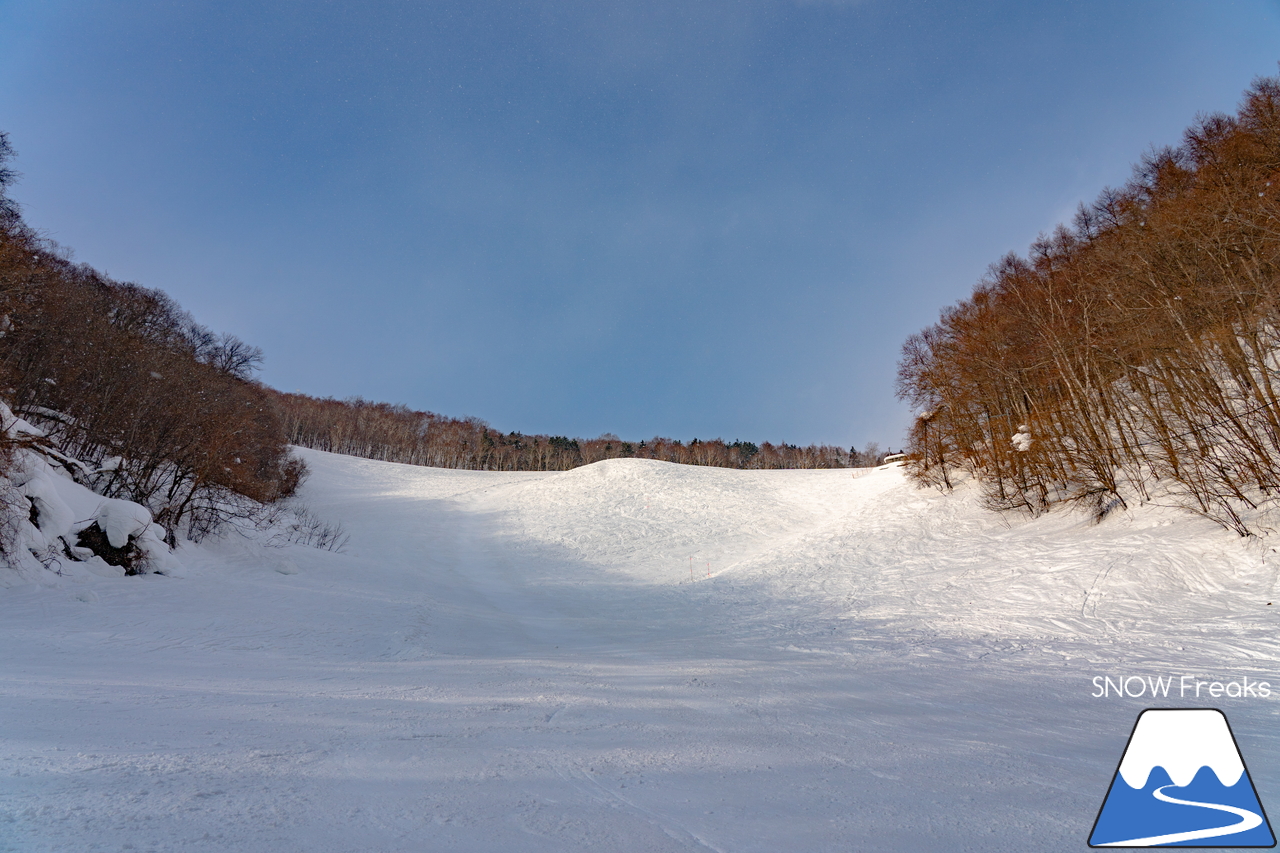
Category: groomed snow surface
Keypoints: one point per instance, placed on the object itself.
(630, 656)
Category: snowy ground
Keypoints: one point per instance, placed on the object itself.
(631, 656)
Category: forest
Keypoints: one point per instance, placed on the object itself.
(1131, 355)
(398, 434)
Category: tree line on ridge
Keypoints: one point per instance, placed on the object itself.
(395, 433)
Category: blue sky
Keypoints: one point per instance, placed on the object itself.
(693, 219)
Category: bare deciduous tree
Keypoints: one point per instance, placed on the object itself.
(1134, 350)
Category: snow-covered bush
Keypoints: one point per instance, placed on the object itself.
(122, 534)
(48, 519)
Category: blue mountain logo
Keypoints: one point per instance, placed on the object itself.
(1181, 783)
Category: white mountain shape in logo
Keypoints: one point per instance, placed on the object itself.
(1181, 742)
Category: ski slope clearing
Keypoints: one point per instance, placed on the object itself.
(630, 656)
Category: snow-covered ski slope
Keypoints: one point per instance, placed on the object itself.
(630, 656)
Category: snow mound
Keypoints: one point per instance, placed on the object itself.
(125, 523)
(16, 427)
(122, 521)
(53, 517)
(644, 517)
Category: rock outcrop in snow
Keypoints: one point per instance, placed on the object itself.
(132, 541)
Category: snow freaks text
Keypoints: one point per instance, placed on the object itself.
(1177, 687)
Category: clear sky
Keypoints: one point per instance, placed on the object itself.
(693, 219)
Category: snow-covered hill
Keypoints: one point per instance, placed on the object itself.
(630, 656)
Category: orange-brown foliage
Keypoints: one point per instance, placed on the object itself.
(1138, 347)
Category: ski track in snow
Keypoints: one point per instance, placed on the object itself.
(512, 662)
